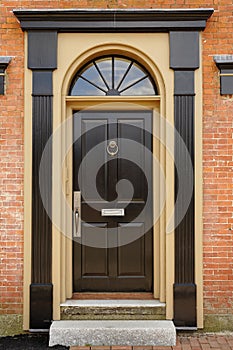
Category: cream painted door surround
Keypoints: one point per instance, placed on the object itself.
(58, 43)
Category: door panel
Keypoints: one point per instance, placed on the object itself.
(112, 265)
(92, 266)
(94, 132)
(133, 130)
(131, 260)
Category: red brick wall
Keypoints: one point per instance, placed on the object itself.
(217, 141)
(218, 161)
(11, 167)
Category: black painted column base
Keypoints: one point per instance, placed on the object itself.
(41, 309)
(185, 313)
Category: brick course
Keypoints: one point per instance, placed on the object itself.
(217, 150)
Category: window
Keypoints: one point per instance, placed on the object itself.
(4, 62)
(113, 75)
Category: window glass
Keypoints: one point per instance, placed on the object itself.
(144, 88)
(113, 75)
(120, 67)
(105, 67)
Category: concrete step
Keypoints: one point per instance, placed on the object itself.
(110, 333)
(113, 310)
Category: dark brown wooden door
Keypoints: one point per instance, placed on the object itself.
(114, 253)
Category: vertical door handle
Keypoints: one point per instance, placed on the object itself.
(77, 224)
(77, 214)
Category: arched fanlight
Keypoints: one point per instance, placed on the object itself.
(113, 75)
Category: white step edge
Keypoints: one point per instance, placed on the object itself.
(109, 333)
(113, 303)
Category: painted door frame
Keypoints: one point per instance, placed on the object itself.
(184, 26)
(119, 103)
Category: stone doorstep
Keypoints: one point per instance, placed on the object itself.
(110, 333)
(113, 309)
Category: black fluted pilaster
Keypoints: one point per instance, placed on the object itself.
(42, 60)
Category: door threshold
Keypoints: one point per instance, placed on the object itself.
(113, 296)
(112, 303)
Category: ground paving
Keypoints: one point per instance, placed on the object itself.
(184, 342)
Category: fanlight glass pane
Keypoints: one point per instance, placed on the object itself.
(120, 67)
(135, 74)
(83, 88)
(105, 67)
(93, 76)
(113, 75)
(144, 88)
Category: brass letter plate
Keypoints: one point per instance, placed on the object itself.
(113, 212)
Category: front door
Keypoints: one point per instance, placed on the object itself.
(112, 250)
